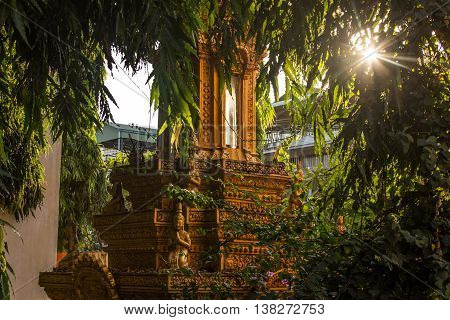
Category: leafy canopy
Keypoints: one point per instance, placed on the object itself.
(375, 71)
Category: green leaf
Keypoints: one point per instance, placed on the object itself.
(2, 148)
(289, 70)
(110, 96)
(163, 127)
(182, 105)
(4, 286)
(18, 19)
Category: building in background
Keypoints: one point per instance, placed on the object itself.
(302, 149)
(123, 137)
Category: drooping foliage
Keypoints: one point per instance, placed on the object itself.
(373, 72)
(377, 72)
(306, 39)
(390, 175)
(83, 190)
(21, 174)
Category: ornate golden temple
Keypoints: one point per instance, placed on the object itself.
(149, 243)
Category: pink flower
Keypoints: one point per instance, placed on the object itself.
(284, 282)
(270, 274)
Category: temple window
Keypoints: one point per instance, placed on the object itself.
(231, 113)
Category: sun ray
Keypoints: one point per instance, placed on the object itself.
(393, 62)
(402, 58)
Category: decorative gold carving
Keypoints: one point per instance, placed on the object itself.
(251, 131)
(198, 215)
(147, 280)
(244, 208)
(341, 225)
(162, 215)
(179, 242)
(194, 173)
(295, 201)
(92, 280)
(238, 261)
(205, 281)
(255, 168)
(154, 285)
(206, 101)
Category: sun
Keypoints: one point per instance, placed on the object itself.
(362, 45)
(368, 50)
(370, 54)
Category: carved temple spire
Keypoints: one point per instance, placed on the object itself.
(227, 127)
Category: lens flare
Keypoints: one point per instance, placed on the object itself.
(370, 54)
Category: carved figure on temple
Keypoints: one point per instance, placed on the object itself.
(341, 225)
(179, 242)
(295, 201)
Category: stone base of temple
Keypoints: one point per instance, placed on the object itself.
(90, 279)
(139, 238)
(150, 239)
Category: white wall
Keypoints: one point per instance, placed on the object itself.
(36, 251)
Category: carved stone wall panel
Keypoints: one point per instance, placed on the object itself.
(201, 261)
(205, 103)
(203, 233)
(195, 260)
(145, 285)
(198, 216)
(118, 220)
(133, 261)
(254, 168)
(251, 113)
(255, 183)
(163, 216)
(241, 246)
(149, 280)
(203, 281)
(92, 279)
(237, 262)
(128, 234)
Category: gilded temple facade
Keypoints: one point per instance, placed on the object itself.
(147, 233)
